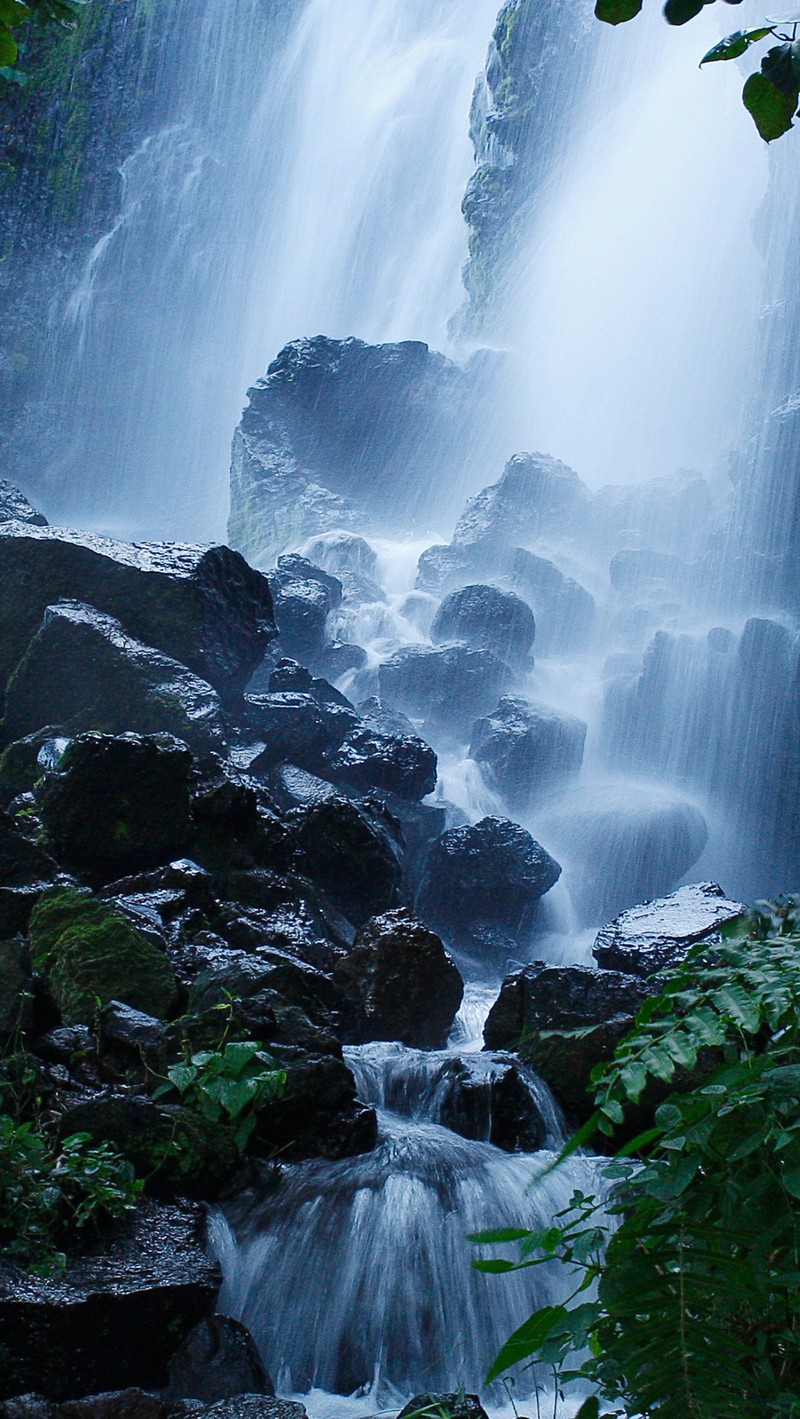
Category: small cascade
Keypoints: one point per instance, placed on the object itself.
(354, 1276)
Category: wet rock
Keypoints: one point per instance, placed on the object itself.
(25, 871)
(524, 749)
(637, 570)
(495, 1099)
(217, 1360)
(14, 506)
(119, 1404)
(368, 759)
(482, 882)
(16, 987)
(564, 1020)
(303, 596)
(248, 978)
(86, 952)
(674, 514)
(342, 436)
(449, 686)
(402, 978)
(627, 845)
(487, 619)
(292, 728)
(118, 803)
(340, 552)
(657, 935)
(66, 1044)
(353, 852)
(23, 762)
(442, 568)
(535, 495)
(376, 715)
(443, 1406)
(318, 1114)
(131, 1031)
(292, 787)
(82, 670)
(253, 1406)
(116, 1316)
(565, 611)
(288, 675)
(203, 606)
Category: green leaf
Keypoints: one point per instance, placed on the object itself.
(505, 1234)
(617, 12)
(13, 12)
(182, 1076)
(735, 45)
(528, 1339)
(772, 110)
(679, 12)
(495, 1268)
(8, 47)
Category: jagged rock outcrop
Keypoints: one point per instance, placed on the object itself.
(487, 619)
(444, 686)
(657, 935)
(525, 749)
(341, 435)
(402, 978)
(203, 606)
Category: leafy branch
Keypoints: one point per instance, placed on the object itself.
(772, 95)
(14, 14)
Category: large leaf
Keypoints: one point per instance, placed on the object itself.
(8, 47)
(616, 12)
(679, 12)
(735, 45)
(771, 109)
(528, 1339)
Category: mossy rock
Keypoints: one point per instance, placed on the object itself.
(87, 952)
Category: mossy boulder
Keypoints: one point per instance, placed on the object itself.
(87, 952)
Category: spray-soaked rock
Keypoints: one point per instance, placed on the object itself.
(203, 606)
(341, 435)
(353, 852)
(651, 937)
(488, 619)
(564, 1020)
(217, 1360)
(481, 883)
(565, 611)
(448, 687)
(342, 552)
(404, 981)
(524, 749)
(401, 764)
(535, 495)
(303, 596)
(118, 803)
(82, 670)
(14, 506)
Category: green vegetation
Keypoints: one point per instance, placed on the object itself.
(771, 96)
(228, 1085)
(687, 1273)
(14, 14)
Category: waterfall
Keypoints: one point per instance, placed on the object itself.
(288, 187)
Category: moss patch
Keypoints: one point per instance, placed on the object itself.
(87, 952)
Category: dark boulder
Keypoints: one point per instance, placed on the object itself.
(564, 1020)
(303, 596)
(447, 686)
(253, 979)
(565, 611)
(487, 619)
(175, 1149)
(203, 606)
(496, 1099)
(23, 762)
(25, 871)
(318, 1114)
(353, 852)
(342, 436)
(116, 1316)
(376, 715)
(536, 495)
(294, 728)
(658, 934)
(289, 675)
(400, 975)
(442, 568)
(118, 803)
(217, 1360)
(368, 759)
(525, 749)
(130, 1031)
(481, 883)
(82, 670)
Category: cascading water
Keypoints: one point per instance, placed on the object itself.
(287, 188)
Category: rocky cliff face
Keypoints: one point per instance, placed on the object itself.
(514, 136)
